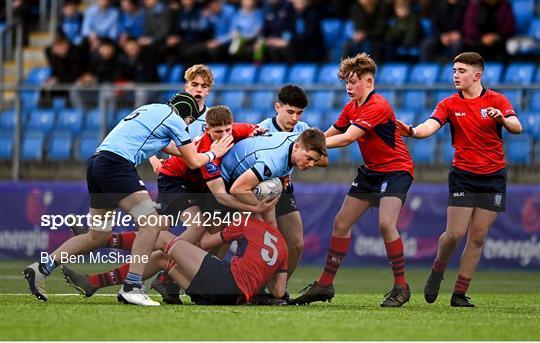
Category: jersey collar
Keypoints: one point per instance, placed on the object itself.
(276, 125)
(481, 93)
(290, 153)
(368, 97)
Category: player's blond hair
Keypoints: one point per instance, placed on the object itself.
(219, 116)
(470, 58)
(313, 140)
(199, 70)
(360, 64)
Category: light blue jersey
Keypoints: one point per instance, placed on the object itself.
(272, 125)
(198, 127)
(268, 155)
(146, 131)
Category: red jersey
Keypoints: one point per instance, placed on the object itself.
(382, 147)
(261, 253)
(175, 166)
(476, 136)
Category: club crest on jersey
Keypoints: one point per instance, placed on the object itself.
(211, 168)
(497, 201)
(267, 171)
(484, 113)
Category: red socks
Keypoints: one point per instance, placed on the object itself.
(462, 284)
(112, 277)
(394, 251)
(122, 240)
(438, 266)
(336, 253)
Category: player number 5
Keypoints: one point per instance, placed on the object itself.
(269, 241)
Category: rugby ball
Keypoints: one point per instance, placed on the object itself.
(268, 188)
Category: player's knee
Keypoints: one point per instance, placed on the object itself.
(386, 225)
(454, 237)
(98, 238)
(477, 239)
(296, 247)
(341, 226)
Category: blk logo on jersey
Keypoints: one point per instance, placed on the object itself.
(459, 114)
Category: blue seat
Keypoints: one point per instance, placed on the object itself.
(314, 118)
(390, 96)
(515, 96)
(32, 146)
(518, 149)
(519, 74)
(354, 154)
(121, 113)
(536, 152)
(243, 74)
(440, 95)
(70, 120)
(233, 99)
(38, 75)
(8, 120)
(88, 143)
(446, 74)
(523, 13)
(263, 100)
(534, 29)
(93, 119)
(406, 116)
(424, 73)
(175, 74)
(531, 123)
(534, 101)
(423, 151)
(336, 155)
(344, 100)
(59, 147)
(447, 150)
(163, 72)
(330, 118)
(322, 100)
(493, 72)
(272, 74)
(332, 31)
(41, 120)
(302, 73)
(328, 74)
(393, 74)
(414, 100)
(248, 116)
(220, 72)
(6, 145)
(537, 78)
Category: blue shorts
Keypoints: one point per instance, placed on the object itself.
(174, 195)
(110, 178)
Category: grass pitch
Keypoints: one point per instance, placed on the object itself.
(508, 308)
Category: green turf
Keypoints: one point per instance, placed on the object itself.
(508, 308)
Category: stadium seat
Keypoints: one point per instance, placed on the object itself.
(424, 73)
(336, 155)
(175, 74)
(163, 72)
(447, 150)
(6, 145)
(423, 150)
(32, 146)
(220, 73)
(243, 74)
(272, 74)
(534, 101)
(393, 74)
(518, 149)
(59, 147)
(440, 95)
(537, 78)
(93, 119)
(233, 99)
(41, 120)
(330, 118)
(88, 143)
(302, 73)
(248, 116)
(263, 100)
(328, 74)
(38, 75)
(8, 120)
(523, 13)
(406, 116)
(332, 31)
(446, 74)
(322, 100)
(492, 73)
(515, 96)
(344, 100)
(70, 120)
(536, 152)
(353, 153)
(390, 96)
(122, 113)
(314, 118)
(531, 124)
(519, 74)
(414, 100)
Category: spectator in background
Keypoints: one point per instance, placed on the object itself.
(189, 29)
(157, 25)
(100, 21)
(369, 18)
(131, 20)
(64, 59)
(488, 25)
(71, 22)
(246, 26)
(220, 17)
(404, 32)
(137, 66)
(447, 39)
(306, 42)
(277, 29)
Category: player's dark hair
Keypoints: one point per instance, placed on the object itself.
(185, 105)
(219, 116)
(470, 58)
(293, 95)
(313, 140)
(360, 64)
